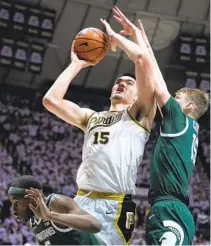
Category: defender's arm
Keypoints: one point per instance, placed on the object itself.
(62, 210)
(65, 211)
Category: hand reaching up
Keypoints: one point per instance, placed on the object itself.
(111, 34)
(128, 27)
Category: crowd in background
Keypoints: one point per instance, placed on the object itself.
(33, 141)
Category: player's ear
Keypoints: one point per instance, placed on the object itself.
(188, 107)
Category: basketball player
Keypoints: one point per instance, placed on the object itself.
(113, 145)
(169, 221)
(54, 220)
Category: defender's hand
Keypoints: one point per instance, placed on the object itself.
(38, 207)
(128, 27)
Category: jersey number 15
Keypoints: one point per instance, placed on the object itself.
(101, 138)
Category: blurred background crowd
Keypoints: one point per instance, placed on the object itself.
(35, 41)
(32, 141)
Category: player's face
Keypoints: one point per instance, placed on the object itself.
(20, 208)
(124, 90)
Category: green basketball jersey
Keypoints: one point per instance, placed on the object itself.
(49, 233)
(173, 154)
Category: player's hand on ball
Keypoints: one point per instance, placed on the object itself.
(75, 59)
(37, 205)
(111, 34)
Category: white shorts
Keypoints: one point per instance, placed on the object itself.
(116, 212)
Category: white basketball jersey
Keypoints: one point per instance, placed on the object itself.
(112, 151)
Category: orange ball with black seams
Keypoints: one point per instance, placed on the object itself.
(91, 44)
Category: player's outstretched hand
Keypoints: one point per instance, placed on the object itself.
(111, 34)
(128, 27)
(75, 59)
(37, 205)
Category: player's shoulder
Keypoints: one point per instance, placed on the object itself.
(59, 198)
(171, 102)
(88, 112)
(172, 108)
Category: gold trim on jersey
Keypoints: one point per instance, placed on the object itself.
(137, 122)
(101, 195)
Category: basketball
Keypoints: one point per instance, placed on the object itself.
(91, 44)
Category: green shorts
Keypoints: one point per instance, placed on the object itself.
(169, 222)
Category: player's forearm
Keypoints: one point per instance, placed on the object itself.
(149, 63)
(85, 223)
(156, 69)
(130, 48)
(159, 81)
(160, 89)
(137, 37)
(145, 86)
(60, 86)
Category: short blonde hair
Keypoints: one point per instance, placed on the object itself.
(199, 98)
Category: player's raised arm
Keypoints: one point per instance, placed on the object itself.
(139, 36)
(141, 58)
(54, 100)
(161, 92)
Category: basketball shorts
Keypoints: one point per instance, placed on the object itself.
(169, 222)
(116, 212)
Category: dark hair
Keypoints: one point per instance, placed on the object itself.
(126, 74)
(26, 182)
